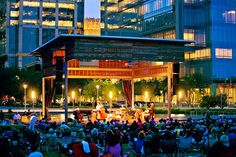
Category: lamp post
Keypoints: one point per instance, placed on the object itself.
(179, 98)
(25, 87)
(33, 97)
(62, 91)
(221, 91)
(110, 96)
(73, 98)
(97, 87)
(80, 96)
(146, 97)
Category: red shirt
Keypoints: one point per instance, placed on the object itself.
(79, 152)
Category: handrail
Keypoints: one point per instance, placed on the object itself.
(212, 113)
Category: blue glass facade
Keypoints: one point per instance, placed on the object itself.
(32, 23)
(211, 23)
(223, 38)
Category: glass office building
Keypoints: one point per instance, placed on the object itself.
(2, 27)
(32, 23)
(211, 23)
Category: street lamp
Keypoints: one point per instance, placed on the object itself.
(73, 98)
(62, 91)
(80, 89)
(97, 87)
(33, 97)
(163, 100)
(146, 97)
(25, 87)
(110, 96)
(180, 97)
(221, 91)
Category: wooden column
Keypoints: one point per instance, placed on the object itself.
(169, 92)
(43, 97)
(132, 86)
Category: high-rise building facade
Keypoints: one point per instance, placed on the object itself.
(2, 26)
(32, 23)
(92, 26)
(211, 23)
(118, 19)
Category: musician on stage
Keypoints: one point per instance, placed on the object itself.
(151, 111)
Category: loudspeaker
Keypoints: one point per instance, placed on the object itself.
(176, 68)
(59, 77)
(175, 78)
(58, 88)
(59, 70)
(59, 65)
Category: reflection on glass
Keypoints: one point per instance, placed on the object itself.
(30, 4)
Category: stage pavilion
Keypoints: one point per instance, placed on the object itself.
(125, 58)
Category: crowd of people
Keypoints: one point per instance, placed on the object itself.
(205, 137)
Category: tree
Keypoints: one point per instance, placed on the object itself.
(213, 101)
(9, 82)
(105, 86)
(161, 87)
(193, 85)
(13, 78)
(3, 59)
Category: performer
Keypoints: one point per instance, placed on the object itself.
(151, 111)
(102, 114)
(139, 114)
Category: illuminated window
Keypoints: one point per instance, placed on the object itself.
(79, 24)
(30, 4)
(112, 26)
(65, 23)
(15, 5)
(165, 34)
(14, 22)
(131, 10)
(223, 53)
(112, 9)
(198, 54)
(189, 34)
(102, 8)
(192, 1)
(230, 16)
(67, 6)
(102, 25)
(112, 1)
(14, 13)
(30, 22)
(48, 23)
(49, 5)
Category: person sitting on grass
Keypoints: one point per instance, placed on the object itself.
(35, 152)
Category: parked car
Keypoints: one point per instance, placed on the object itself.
(116, 105)
(105, 105)
(139, 103)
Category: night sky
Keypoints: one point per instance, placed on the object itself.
(92, 8)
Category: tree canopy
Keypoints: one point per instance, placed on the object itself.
(213, 101)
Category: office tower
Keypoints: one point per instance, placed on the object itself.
(210, 23)
(32, 23)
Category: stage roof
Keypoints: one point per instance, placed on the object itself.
(116, 48)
